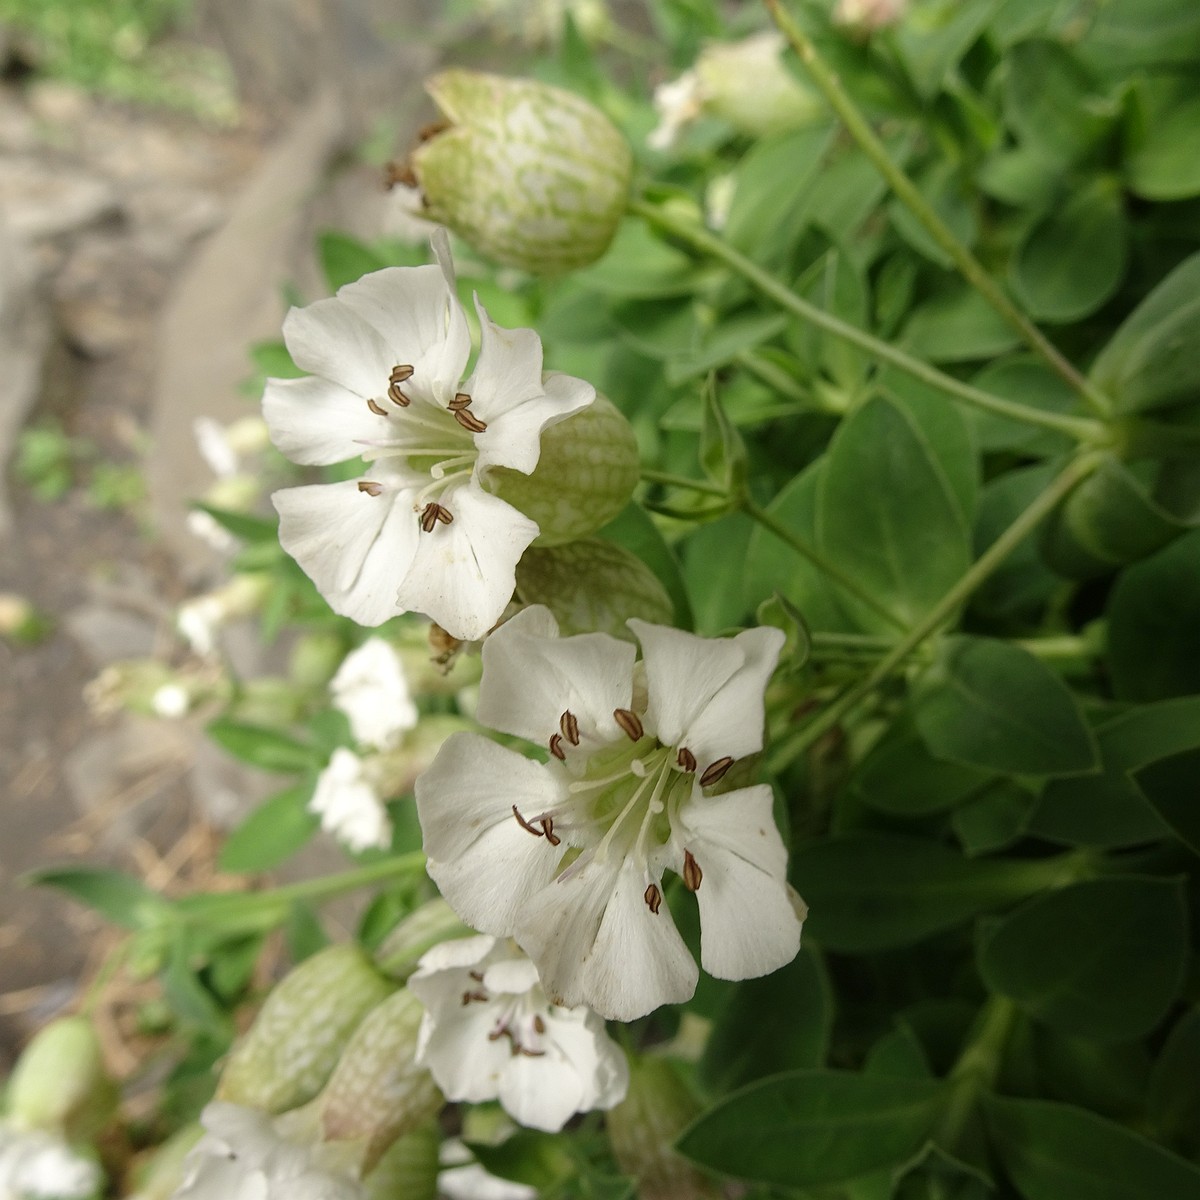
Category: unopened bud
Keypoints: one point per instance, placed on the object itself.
(431, 924)
(530, 175)
(289, 1052)
(642, 1130)
(593, 585)
(377, 1093)
(59, 1083)
(585, 475)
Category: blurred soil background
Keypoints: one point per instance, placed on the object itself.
(143, 247)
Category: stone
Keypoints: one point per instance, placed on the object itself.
(45, 199)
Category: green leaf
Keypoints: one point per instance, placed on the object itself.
(722, 343)
(345, 259)
(957, 325)
(261, 747)
(873, 891)
(717, 595)
(990, 704)
(768, 1025)
(1153, 633)
(1173, 1100)
(1029, 381)
(634, 530)
(994, 819)
(249, 528)
(900, 535)
(835, 285)
(1171, 786)
(1151, 363)
(639, 265)
(116, 897)
(1074, 258)
(1102, 959)
(944, 188)
(935, 35)
(537, 1159)
(1108, 810)
(1164, 158)
(806, 1128)
(1054, 1151)
(274, 831)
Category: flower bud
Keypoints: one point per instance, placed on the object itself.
(586, 473)
(434, 922)
(642, 1130)
(377, 1093)
(530, 175)
(292, 1047)
(593, 586)
(59, 1083)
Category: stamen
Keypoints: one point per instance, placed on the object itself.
(461, 400)
(570, 727)
(630, 722)
(401, 373)
(370, 487)
(431, 130)
(476, 975)
(653, 898)
(547, 824)
(469, 421)
(686, 759)
(377, 409)
(556, 748)
(399, 173)
(716, 771)
(444, 514)
(524, 824)
(480, 996)
(432, 513)
(692, 875)
(396, 396)
(538, 1023)
(527, 1052)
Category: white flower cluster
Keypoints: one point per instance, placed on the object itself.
(36, 1165)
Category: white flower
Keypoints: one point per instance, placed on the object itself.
(36, 1164)
(200, 619)
(348, 804)
(490, 1032)
(245, 1156)
(461, 1178)
(568, 857)
(171, 701)
(371, 690)
(420, 532)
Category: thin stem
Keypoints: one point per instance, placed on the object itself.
(818, 560)
(980, 571)
(1083, 429)
(909, 195)
(778, 380)
(649, 475)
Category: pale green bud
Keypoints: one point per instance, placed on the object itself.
(586, 473)
(159, 1174)
(377, 1093)
(642, 1130)
(430, 925)
(289, 1052)
(409, 1168)
(528, 174)
(60, 1084)
(593, 586)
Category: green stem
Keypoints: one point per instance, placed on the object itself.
(1082, 429)
(980, 571)
(778, 380)
(818, 560)
(977, 1068)
(649, 475)
(909, 195)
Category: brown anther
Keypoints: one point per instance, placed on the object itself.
(399, 173)
(401, 373)
(469, 421)
(479, 995)
(429, 516)
(547, 824)
(524, 824)
(630, 722)
(556, 747)
(686, 759)
(502, 1031)
(476, 975)
(716, 771)
(570, 727)
(538, 1023)
(461, 400)
(396, 396)
(652, 897)
(692, 875)
(377, 409)
(444, 514)
(431, 130)
(370, 487)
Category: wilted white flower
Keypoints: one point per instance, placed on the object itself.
(348, 804)
(36, 1165)
(490, 1032)
(371, 690)
(420, 532)
(244, 1155)
(568, 857)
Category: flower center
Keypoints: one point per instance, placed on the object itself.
(520, 1019)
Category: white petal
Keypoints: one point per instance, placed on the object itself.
(530, 677)
(317, 422)
(601, 1063)
(515, 976)
(514, 439)
(748, 925)
(707, 693)
(541, 1093)
(355, 547)
(463, 574)
(485, 864)
(463, 1061)
(325, 338)
(456, 954)
(370, 688)
(595, 942)
(419, 318)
